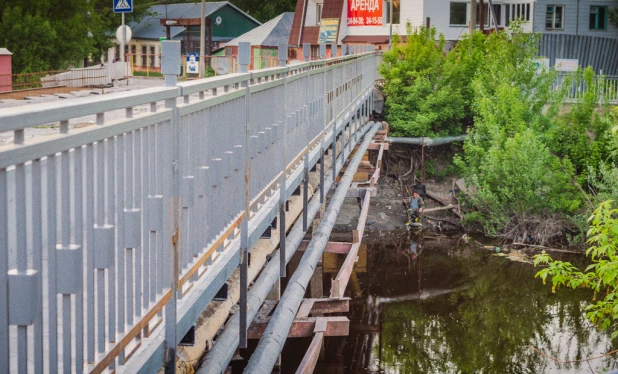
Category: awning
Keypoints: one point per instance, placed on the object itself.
(366, 39)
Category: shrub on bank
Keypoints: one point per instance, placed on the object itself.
(533, 161)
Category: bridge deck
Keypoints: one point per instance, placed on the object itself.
(91, 218)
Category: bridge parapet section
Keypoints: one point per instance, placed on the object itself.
(92, 219)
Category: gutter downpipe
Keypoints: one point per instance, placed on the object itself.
(219, 357)
(274, 337)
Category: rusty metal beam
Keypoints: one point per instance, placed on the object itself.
(303, 328)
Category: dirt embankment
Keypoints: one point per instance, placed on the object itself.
(403, 169)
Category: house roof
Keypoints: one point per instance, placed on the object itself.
(297, 25)
(273, 32)
(309, 34)
(150, 28)
(5, 52)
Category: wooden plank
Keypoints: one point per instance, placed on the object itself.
(377, 146)
(307, 365)
(356, 237)
(331, 247)
(305, 309)
(335, 326)
(361, 191)
(343, 277)
(320, 325)
(267, 190)
(204, 258)
(132, 334)
(450, 206)
(381, 155)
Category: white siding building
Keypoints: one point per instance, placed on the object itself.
(450, 17)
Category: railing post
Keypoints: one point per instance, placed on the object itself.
(334, 141)
(303, 121)
(305, 115)
(307, 52)
(283, 58)
(170, 67)
(324, 100)
(244, 57)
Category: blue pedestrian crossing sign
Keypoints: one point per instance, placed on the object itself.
(123, 6)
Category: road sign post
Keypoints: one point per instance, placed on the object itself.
(123, 6)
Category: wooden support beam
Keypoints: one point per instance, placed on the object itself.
(303, 325)
(303, 328)
(332, 247)
(381, 155)
(367, 169)
(377, 146)
(361, 191)
(340, 283)
(438, 199)
(305, 309)
(450, 206)
(307, 365)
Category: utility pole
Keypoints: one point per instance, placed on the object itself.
(472, 16)
(124, 39)
(390, 21)
(482, 16)
(202, 39)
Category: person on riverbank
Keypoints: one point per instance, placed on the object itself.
(414, 207)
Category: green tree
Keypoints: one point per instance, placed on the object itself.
(613, 14)
(601, 276)
(44, 34)
(105, 21)
(421, 101)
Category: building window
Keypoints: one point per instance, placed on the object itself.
(152, 57)
(554, 17)
(318, 14)
(459, 14)
(144, 55)
(517, 12)
(598, 18)
(498, 12)
(396, 11)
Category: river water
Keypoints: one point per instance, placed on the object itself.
(443, 306)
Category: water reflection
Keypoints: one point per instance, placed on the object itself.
(442, 307)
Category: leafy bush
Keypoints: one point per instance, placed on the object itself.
(529, 155)
(601, 275)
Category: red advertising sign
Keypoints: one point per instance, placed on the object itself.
(364, 12)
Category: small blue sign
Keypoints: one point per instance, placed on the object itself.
(123, 6)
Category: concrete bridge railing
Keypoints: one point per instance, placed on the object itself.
(114, 237)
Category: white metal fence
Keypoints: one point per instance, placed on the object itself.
(605, 88)
(91, 219)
